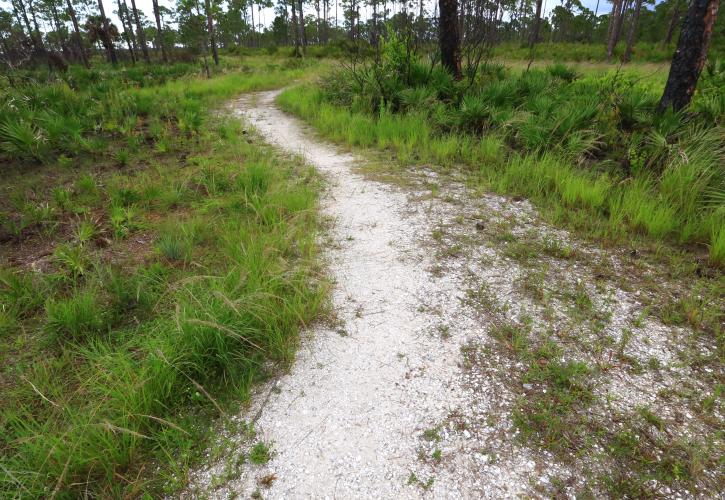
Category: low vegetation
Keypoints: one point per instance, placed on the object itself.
(57, 118)
(155, 262)
(643, 52)
(589, 147)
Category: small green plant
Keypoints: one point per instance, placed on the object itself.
(651, 418)
(432, 434)
(174, 247)
(260, 453)
(65, 162)
(121, 157)
(62, 198)
(557, 248)
(85, 231)
(75, 318)
(86, 185)
(72, 258)
(20, 292)
(124, 220)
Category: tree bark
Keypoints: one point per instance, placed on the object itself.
(59, 28)
(326, 15)
(374, 25)
(303, 35)
(128, 23)
(421, 23)
(160, 32)
(317, 8)
(107, 28)
(673, 24)
(450, 37)
(212, 34)
(128, 32)
(77, 30)
(37, 42)
(615, 25)
(295, 29)
(690, 55)
(254, 28)
(35, 24)
(632, 31)
(140, 35)
(537, 23)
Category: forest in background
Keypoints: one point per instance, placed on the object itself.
(60, 32)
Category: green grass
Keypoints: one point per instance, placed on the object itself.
(260, 453)
(561, 51)
(184, 272)
(86, 111)
(588, 148)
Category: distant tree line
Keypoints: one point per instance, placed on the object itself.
(60, 31)
(56, 32)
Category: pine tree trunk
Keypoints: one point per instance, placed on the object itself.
(128, 33)
(295, 29)
(673, 24)
(450, 37)
(326, 15)
(303, 35)
(107, 35)
(617, 34)
(160, 32)
(374, 30)
(210, 28)
(20, 8)
(254, 28)
(317, 8)
(614, 26)
(690, 55)
(77, 30)
(537, 23)
(632, 31)
(129, 22)
(37, 32)
(140, 35)
(58, 27)
(421, 24)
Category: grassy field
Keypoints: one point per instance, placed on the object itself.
(642, 52)
(585, 145)
(157, 260)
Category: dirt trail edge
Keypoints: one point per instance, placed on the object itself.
(410, 396)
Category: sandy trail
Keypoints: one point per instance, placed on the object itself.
(410, 396)
(347, 420)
